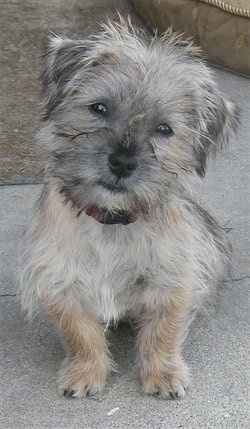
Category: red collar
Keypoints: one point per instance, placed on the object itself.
(101, 215)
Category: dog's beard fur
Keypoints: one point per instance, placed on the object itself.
(159, 268)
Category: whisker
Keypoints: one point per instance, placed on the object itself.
(199, 134)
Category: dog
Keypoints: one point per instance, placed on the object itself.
(129, 122)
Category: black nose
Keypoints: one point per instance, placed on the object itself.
(122, 164)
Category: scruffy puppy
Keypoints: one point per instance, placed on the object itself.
(115, 231)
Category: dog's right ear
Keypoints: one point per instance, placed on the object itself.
(62, 59)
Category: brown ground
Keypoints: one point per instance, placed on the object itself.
(24, 25)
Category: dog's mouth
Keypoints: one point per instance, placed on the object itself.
(116, 188)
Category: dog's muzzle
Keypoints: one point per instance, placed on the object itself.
(105, 217)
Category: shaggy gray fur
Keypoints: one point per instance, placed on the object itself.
(74, 261)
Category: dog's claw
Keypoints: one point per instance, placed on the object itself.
(180, 394)
(90, 392)
(69, 393)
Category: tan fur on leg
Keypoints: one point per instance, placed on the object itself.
(87, 365)
(161, 367)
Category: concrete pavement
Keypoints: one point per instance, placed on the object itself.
(216, 348)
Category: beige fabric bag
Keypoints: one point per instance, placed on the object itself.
(221, 28)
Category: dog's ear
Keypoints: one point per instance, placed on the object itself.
(215, 119)
(61, 60)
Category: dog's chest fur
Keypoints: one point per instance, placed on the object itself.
(119, 266)
(114, 269)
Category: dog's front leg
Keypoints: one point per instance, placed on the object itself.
(87, 364)
(161, 333)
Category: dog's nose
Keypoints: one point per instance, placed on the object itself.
(122, 164)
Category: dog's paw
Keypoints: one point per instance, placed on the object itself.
(79, 379)
(168, 385)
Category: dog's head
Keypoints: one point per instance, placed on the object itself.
(129, 119)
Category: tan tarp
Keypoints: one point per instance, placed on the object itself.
(221, 28)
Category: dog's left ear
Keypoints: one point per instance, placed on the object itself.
(214, 120)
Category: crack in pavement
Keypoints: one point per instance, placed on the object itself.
(237, 280)
(9, 294)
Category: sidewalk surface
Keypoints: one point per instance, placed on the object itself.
(216, 348)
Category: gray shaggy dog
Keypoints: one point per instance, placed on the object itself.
(129, 120)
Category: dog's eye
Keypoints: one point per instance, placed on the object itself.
(164, 129)
(99, 108)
